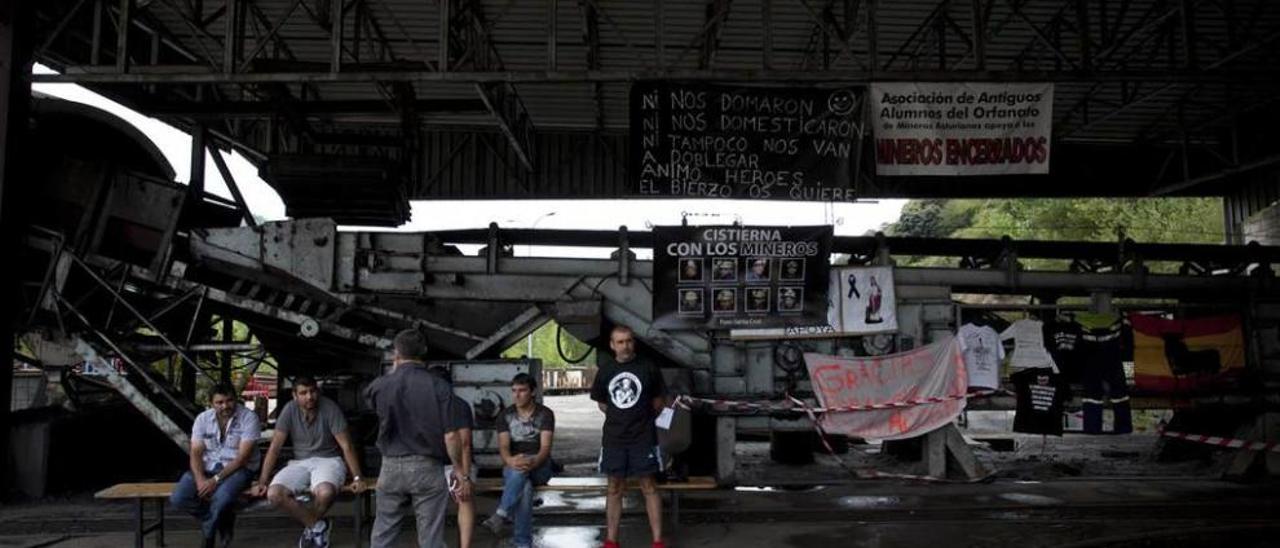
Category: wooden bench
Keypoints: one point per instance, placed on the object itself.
(160, 492)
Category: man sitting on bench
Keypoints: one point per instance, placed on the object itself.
(318, 430)
(223, 457)
(525, 431)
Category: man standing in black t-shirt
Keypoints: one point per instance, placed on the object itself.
(630, 391)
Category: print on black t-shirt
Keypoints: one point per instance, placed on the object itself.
(628, 390)
(1041, 396)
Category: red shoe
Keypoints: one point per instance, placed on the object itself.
(611, 544)
(659, 544)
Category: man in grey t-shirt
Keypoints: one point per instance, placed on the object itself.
(321, 441)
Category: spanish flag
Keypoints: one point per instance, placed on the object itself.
(1180, 356)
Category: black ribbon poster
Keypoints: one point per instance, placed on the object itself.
(723, 277)
(694, 140)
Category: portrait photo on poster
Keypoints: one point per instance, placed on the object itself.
(691, 271)
(790, 299)
(726, 301)
(791, 270)
(757, 300)
(690, 302)
(758, 270)
(724, 270)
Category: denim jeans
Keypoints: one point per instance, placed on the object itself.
(217, 513)
(517, 499)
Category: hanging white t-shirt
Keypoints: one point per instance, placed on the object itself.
(1028, 340)
(982, 351)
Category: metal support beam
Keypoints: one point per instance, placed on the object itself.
(95, 42)
(231, 36)
(272, 35)
(442, 63)
(552, 28)
(193, 74)
(979, 16)
(1187, 15)
(16, 21)
(228, 337)
(873, 61)
(195, 179)
(512, 119)
(335, 36)
(716, 13)
(221, 164)
(516, 324)
(591, 39)
(659, 33)
(205, 110)
(61, 26)
(125, 22)
(766, 34)
(1082, 30)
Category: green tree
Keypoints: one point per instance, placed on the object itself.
(543, 343)
(1160, 220)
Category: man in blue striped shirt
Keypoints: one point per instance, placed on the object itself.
(224, 460)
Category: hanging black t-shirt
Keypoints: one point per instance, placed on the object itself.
(1041, 396)
(1063, 339)
(628, 389)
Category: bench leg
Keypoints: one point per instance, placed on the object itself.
(138, 529)
(358, 511)
(160, 522)
(675, 512)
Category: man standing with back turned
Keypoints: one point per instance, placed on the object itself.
(630, 391)
(416, 434)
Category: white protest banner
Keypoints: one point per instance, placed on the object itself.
(931, 372)
(958, 128)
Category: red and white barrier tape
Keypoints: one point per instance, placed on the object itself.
(822, 434)
(1224, 442)
(868, 474)
(791, 404)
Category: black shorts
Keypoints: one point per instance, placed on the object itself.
(630, 462)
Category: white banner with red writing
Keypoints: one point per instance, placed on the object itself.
(933, 374)
(958, 128)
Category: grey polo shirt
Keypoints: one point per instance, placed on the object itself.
(220, 448)
(314, 438)
(415, 409)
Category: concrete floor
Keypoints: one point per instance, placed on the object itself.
(1070, 491)
(1011, 514)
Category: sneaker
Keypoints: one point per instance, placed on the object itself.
(496, 524)
(611, 544)
(659, 544)
(307, 540)
(320, 533)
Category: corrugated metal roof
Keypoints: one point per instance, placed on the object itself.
(628, 41)
(1147, 36)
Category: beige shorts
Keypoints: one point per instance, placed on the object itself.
(301, 475)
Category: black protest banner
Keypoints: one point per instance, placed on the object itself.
(723, 277)
(693, 140)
